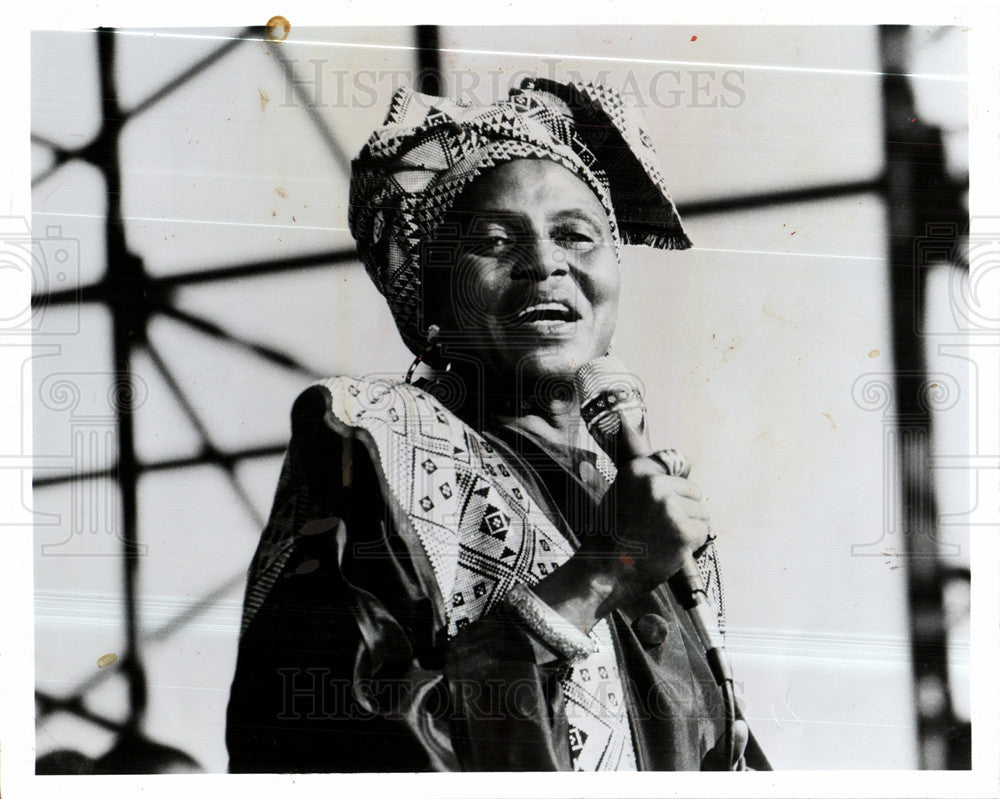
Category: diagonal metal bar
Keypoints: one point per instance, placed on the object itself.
(325, 131)
(262, 267)
(101, 292)
(749, 202)
(57, 149)
(715, 205)
(192, 414)
(49, 704)
(130, 295)
(218, 332)
(44, 175)
(91, 151)
(191, 72)
(61, 157)
(196, 609)
(202, 459)
(73, 703)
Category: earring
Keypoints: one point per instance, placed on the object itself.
(430, 352)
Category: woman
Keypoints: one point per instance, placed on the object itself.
(449, 579)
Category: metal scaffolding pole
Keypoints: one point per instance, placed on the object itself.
(920, 202)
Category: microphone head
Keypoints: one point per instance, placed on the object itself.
(609, 393)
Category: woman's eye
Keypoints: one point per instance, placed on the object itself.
(491, 245)
(574, 240)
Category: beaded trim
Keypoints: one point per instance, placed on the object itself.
(554, 631)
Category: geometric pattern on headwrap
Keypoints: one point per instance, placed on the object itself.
(407, 176)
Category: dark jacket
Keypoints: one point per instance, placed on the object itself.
(341, 669)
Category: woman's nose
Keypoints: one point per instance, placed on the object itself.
(542, 259)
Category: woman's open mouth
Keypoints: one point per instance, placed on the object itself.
(551, 318)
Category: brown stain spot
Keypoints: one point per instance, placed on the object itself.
(273, 214)
(107, 660)
(734, 342)
(793, 233)
(278, 28)
(874, 354)
(293, 218)
(768, 312)
(832, 423)
(281, 193)
(264, 99)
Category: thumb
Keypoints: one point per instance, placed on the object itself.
(742, 734)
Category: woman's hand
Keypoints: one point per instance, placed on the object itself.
(646, 524)
(644, 527)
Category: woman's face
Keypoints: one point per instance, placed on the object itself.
(534, 289)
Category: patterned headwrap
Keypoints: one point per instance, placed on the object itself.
(410, 172)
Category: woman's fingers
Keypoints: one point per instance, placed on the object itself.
(662, 513)
(695, 533)
(652, 469)
(673, 462)
(689, 516)
(693, 508)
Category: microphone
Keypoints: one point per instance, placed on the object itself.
(614, 410)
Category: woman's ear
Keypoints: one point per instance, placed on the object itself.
(438, 261)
